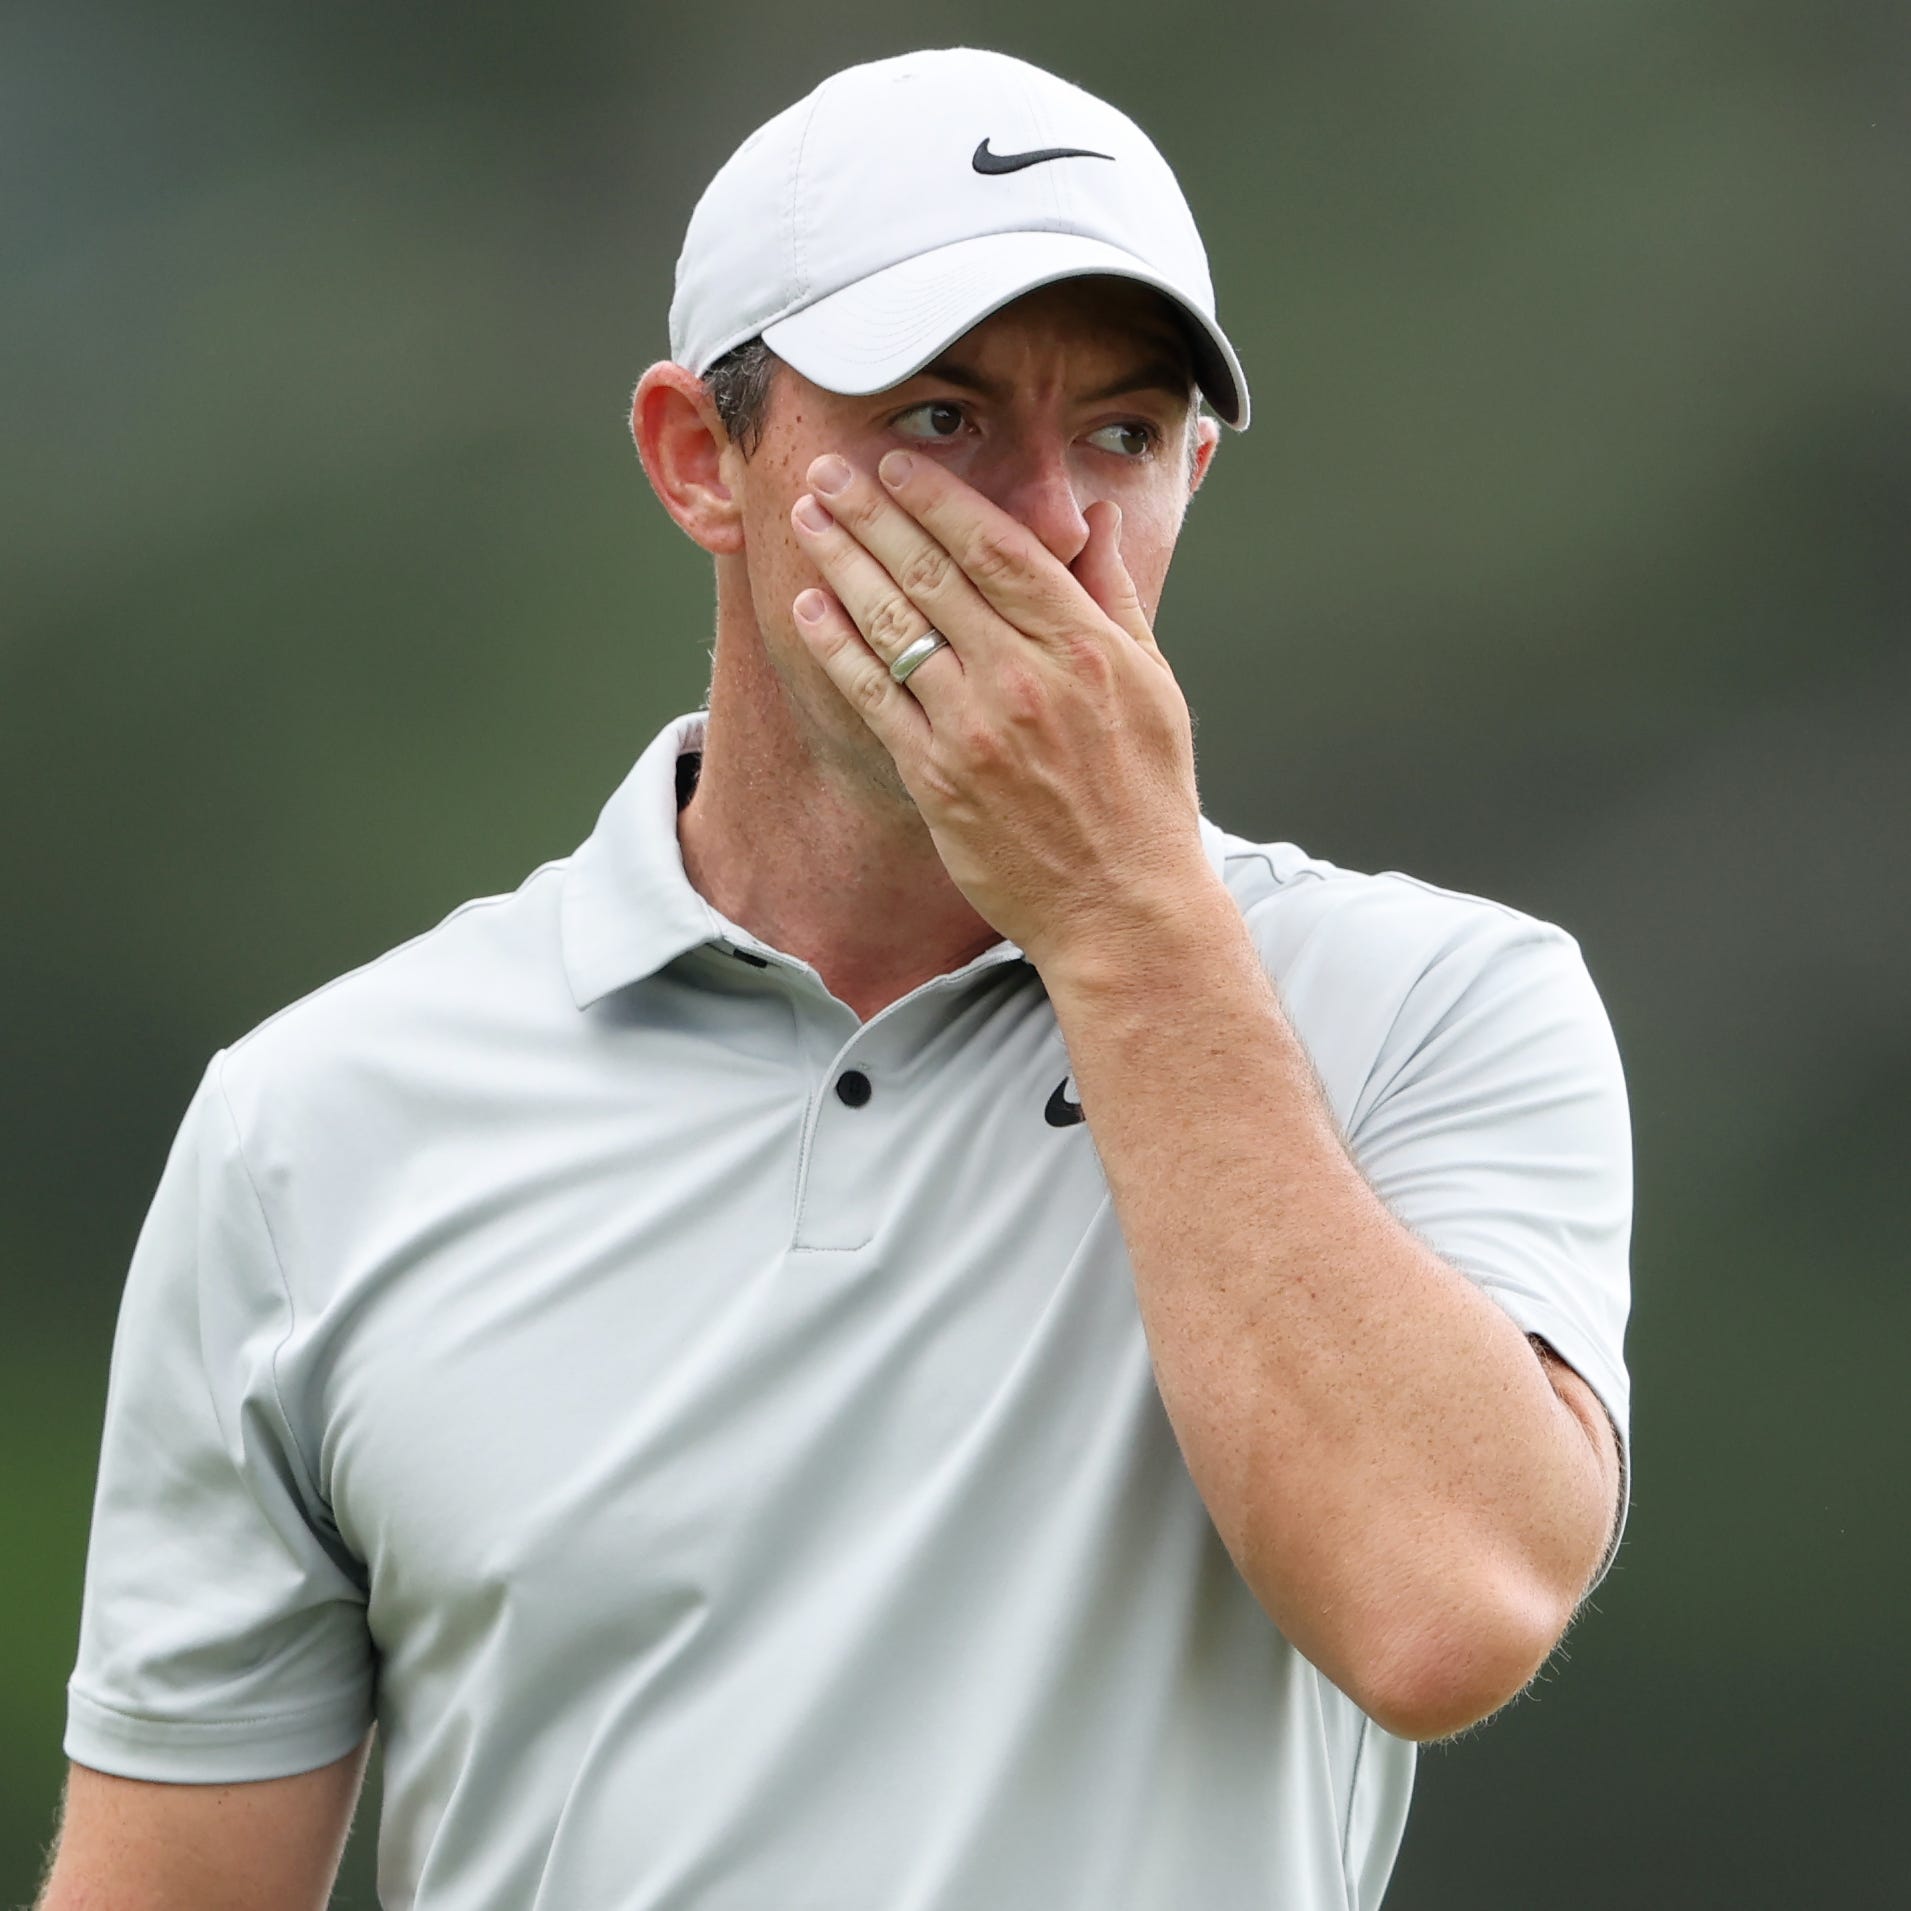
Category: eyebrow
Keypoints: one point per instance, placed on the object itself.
(1158, 374)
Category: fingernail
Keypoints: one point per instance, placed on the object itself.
(830, 474)
(811, 515)
(895, 469)
(810, 606)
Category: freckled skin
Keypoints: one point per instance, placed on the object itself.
(1029, 455)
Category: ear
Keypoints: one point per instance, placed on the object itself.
(1207, 435)
(688, 456)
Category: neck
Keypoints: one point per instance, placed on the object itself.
(814, 849)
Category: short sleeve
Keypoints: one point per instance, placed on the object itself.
(1496, 1128)
(222, 1632)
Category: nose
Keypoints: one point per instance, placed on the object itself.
(1033, 485)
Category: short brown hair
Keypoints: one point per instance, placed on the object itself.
(740, 384)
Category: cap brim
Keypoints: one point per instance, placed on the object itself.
(885, 328)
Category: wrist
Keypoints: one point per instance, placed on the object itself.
(1140, 940)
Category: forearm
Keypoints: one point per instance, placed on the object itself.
(1379, 1447)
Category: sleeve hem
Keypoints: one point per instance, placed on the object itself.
(210, 1751)
(1590, 1363)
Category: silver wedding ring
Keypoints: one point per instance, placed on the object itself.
(911, 659)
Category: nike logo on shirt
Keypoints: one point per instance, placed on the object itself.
(1061, 1112)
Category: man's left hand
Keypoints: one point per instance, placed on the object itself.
(1048, 747)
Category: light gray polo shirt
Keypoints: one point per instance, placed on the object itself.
(715, 1437)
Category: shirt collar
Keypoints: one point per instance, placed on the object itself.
(628, 908)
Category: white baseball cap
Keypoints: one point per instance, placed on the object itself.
(863, 230)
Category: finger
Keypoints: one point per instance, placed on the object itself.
(876, 603)
(897, 718)
(1099, 570)
(919, 566)
(1024, 581)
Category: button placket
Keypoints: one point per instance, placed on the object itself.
(841, 1195)
(839, 1203)
(842, 1189)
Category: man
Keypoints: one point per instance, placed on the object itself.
(917, 1325)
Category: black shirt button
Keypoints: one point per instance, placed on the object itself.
(852, 1088)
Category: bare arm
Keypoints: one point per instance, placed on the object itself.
(1416, 1496)
(270, 1845)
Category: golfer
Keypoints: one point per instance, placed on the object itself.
(916, 1327)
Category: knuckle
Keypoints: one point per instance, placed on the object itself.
(994, 557)
(926, 572)
(894, 623)
(1023, 697)
(940, 783)
(1088, 660)
(981, 743)
(870, 691)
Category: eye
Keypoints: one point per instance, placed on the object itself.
(936, 419)
(1129, 440)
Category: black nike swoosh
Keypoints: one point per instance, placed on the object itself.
(988, 162)
(1061, 1112)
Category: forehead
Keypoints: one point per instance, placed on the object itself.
(1089, 317)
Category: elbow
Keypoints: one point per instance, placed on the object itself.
(1449, 1669)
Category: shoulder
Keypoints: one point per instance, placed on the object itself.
(1377, 968)
(435, 1005)
(1303, 907)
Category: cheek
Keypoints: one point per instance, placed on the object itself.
(778, 565)
(1148, 531)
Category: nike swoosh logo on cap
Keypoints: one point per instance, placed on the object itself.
(988, 162)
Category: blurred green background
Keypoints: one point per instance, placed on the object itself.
(1566, 562)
